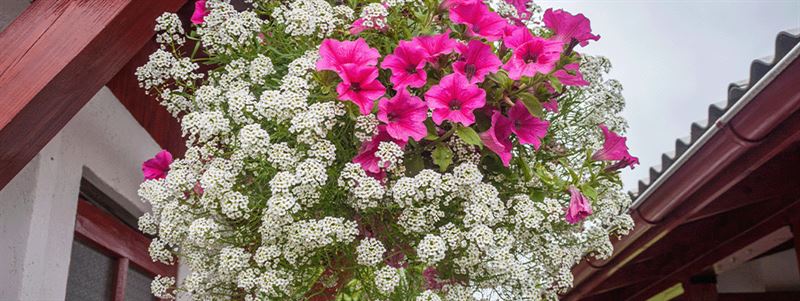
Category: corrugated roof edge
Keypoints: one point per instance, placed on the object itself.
(785, 41)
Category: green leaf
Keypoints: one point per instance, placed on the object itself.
(544, 175)
(468, 135)
(537, 196)
(442, 156)
(501, 78)
(532, 104)
(589, 191)
(432, 135)
(556, 83)
(414, 164)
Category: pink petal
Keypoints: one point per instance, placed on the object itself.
(568, 27)
(334, 54)
(200, 12)
(158, 166)
(496, 138)
(579, 206)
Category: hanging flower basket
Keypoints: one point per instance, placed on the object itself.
(417, 150)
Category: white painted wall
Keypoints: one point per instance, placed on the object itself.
(10, 9)
(776, 272)
(103, 143)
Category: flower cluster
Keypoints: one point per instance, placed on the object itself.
(395, 150)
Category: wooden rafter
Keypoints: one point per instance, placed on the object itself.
(57, 54)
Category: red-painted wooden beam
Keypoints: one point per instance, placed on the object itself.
(768, 296)
(56, 55)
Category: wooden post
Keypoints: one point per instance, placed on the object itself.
(121, 278)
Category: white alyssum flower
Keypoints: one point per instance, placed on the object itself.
(429, 296)
(370, 252)
(170, 30)
(432, 249)
(387, 279)
(161, 287)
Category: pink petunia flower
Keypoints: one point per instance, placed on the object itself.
(436, 45)
(477, 60)
(615, 149)
(551, 105)
(514, 36)
(454, 99)
(579, 206)
(366, 154)
(568, 27)
(407, 63)
(496, 138)
(535, 56)
(528, 128)
(448, 4)
(404, 115)
(158, 166)
(333, 54)
(480, 21)
(571, 75)
(360, 85)
(200, 12)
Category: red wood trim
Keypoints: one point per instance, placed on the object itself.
(768, 296)
(121, 279)
(627, 249)
(56, 56)
(101, 228)
(722, 249)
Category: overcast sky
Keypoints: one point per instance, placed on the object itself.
(674, 58)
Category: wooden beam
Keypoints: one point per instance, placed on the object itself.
(56, 55)
(768, 296)
(722, 248)
(693, 240)
(697, 237)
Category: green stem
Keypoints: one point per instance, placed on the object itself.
(523, 162)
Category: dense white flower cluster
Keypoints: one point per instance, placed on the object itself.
(225, 29)
(162, 66)
(431, 249)
(309, 17)
(386, 279)
(267, 201)
(170, 30)
(374, 16)
(370, 252)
